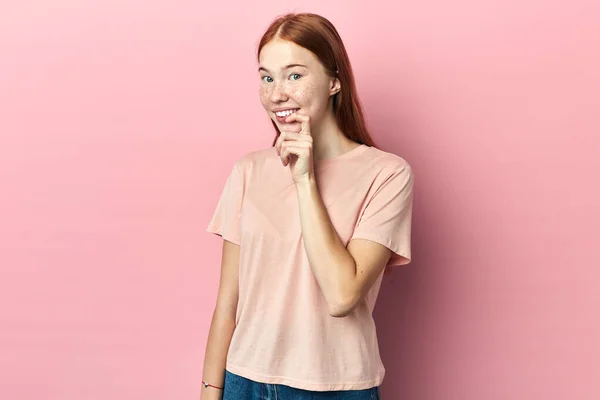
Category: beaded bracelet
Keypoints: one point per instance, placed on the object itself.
(206, 384)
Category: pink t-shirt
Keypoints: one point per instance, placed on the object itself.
(284, 333)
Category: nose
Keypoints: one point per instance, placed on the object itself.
(278, 93)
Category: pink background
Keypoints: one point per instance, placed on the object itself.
(119, 121)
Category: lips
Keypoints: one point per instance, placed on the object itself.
(282, 114)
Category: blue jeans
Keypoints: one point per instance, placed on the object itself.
(240, 388)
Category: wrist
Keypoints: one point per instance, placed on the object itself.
(208, 385)
(306, 182)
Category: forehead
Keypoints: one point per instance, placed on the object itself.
(278, 53)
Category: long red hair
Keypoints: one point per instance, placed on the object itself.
(316, 34)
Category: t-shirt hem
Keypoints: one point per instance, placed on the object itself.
(219, 232)
(299, 384)
(384, 242)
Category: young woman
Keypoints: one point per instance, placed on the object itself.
(309, 225)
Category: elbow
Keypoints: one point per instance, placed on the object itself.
(342, 307)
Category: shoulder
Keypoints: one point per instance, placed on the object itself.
(386, 164)
(255, 159)
(260, 167)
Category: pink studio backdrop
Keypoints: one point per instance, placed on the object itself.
(119, 121)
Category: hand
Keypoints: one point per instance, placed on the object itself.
(295, 148)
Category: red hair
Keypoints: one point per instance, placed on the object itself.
(316, 34)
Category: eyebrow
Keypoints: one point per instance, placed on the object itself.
(286, 67)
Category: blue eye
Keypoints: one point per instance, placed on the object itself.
(298, 76)
(266, 79)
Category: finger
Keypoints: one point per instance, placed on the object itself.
(284, 154)
(303, 119)
(297, 117)
(294, 136)
(294, 150)
(290, 138)
(287, 137)
(299, 149)
(278, 143)
(283, 136)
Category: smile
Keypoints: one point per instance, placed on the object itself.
(286, 113)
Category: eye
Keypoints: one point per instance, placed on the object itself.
(267, 79)
(295, 77)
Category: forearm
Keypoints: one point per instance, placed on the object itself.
(217, 347)
(333, 266)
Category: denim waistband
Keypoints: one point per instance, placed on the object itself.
(239, 388)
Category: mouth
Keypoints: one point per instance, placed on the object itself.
(283, 114)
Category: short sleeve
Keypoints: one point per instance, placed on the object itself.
(225, 220)
(387, 217)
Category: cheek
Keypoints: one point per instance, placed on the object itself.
(304, 94)
(263, 94)
(311, 97)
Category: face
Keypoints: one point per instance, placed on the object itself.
(294, 80)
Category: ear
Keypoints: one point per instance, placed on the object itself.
(335, 86)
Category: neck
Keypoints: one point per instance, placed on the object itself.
(328, 139)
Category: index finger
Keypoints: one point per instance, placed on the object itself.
(303, 119)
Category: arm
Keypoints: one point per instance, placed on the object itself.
(344, 274)
(222, 324)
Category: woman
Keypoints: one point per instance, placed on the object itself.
(309, 225)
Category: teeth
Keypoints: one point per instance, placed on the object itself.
(285, 113)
